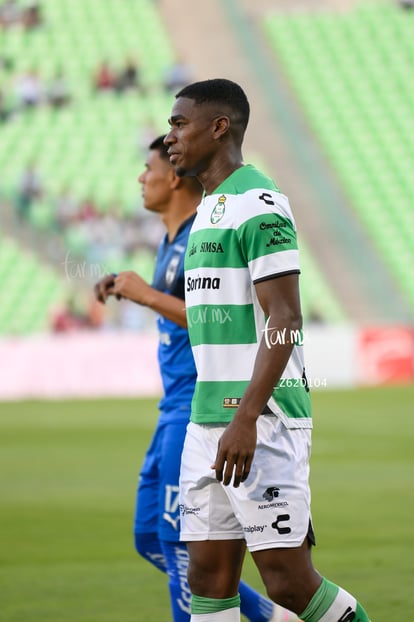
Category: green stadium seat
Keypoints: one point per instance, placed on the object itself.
(91, 146)
(26, 306)
(351, 72)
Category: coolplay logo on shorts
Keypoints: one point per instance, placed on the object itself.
(254, 528)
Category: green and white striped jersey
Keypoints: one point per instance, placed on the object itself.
(243, 233)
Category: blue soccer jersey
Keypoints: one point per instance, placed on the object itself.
(175, 358)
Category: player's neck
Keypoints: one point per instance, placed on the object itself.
(178, 213)
(217, 172)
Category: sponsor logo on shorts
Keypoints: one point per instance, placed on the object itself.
(254, 528)
(185, 510)
(279, 504)
(271, 493)
(279, 524)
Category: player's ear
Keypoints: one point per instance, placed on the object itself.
(221, 125)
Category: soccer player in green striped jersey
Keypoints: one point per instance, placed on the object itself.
(244, 478)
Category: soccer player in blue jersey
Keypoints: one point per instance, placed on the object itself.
(156, 525)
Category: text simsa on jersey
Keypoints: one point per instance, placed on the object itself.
(243, 233)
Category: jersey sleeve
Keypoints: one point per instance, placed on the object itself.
(268, 242)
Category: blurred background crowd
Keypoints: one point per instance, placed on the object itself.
(86, 85)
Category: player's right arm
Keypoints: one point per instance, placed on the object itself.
(131, 286)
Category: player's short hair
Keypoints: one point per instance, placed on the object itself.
(159, 145)
(222, 92)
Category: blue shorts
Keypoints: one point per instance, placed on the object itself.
(156, 508)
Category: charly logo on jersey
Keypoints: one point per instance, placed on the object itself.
(171, 270)
(218, 210)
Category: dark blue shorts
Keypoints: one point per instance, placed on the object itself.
(156, 508)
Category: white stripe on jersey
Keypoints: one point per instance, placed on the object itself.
(232, 286)
(276, 263)
(242, 356)
(241, 208)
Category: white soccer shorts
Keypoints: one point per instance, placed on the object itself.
(271, 509)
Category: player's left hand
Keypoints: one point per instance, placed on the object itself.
(102, 287)
(235, 451)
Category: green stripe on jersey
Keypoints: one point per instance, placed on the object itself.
(210, 398)
(258, 236)
(228, 324)
(244, 179)
(215, 248)
(267, 234)
(293, 398)
(212, 401)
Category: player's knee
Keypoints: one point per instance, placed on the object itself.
(197, 581)
(292, 591)
(279, 592)
(212, 584)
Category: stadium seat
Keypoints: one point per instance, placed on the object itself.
(351, 72)
(92, 146)
(31, 290)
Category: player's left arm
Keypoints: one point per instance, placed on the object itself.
(279, 299)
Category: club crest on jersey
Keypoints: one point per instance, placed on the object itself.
(218, 210)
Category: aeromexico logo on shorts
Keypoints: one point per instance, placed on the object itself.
(270, 494)
(218, 210)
